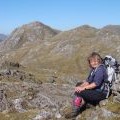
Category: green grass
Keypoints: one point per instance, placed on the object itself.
(19, 116)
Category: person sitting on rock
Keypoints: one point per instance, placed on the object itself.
(91, 91)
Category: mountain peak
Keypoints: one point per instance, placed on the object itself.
(111, 30)
(32, 32)
(35, 23)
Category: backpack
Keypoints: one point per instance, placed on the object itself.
(113, 70)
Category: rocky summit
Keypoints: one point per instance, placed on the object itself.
(39, 67)
(28, 33)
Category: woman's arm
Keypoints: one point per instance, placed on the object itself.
(81, 88)
(84, 84)
(90, 86)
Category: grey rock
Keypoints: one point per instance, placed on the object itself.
(43, 115)
(4, 105)
(18, 105)
(116, 90)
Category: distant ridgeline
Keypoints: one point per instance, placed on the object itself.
(2, 37)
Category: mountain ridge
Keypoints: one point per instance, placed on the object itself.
(67, 49)
(32, 32)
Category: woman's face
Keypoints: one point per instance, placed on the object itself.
(94, 63)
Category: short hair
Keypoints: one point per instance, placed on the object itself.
(95, 55)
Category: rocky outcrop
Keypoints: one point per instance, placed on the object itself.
(4, 105)
(116, 89)
(50, 100)
(21, 92)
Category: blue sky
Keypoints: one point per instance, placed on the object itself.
(59, 14)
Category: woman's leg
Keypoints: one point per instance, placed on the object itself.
(91, 96)
(78, 103)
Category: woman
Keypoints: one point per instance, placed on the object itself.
(92, 90)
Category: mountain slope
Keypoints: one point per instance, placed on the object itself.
(29, 33)
(64, 54)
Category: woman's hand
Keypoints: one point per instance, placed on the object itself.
(79, 89)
